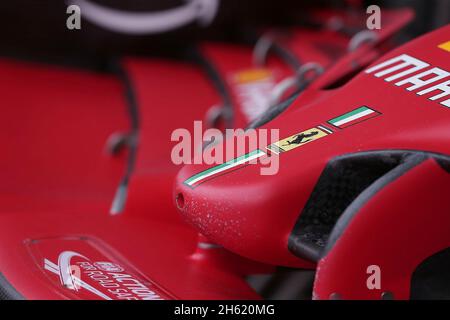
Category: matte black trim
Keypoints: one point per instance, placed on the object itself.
(410, 162)
(385, 167)
(443, 163)
(7, 291)
(294, 63)
(274, 111)
(223, 90)
(275, 48)
(287, 56)
(342, 180)
(219, 84)
(133, 111)
(431, 278)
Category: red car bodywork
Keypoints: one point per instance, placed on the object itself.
(59, 181)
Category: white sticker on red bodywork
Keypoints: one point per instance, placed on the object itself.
(253, 89)
(437, 86)
(86, 268)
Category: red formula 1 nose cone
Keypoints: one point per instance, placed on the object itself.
(335, 154)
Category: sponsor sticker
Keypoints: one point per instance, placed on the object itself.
(226, 166)
(355, 116)
(445, 46)
(252, 75)
(253, 90)
(299, 139)
(85, 268)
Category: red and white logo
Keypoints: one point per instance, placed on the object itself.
(89, 269)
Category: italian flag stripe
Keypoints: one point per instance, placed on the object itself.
(353, 117)
(224, 166)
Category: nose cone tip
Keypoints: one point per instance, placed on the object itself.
(181, 190)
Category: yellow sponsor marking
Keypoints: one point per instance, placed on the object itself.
(297, 140)
(445, 46)
(252, 75)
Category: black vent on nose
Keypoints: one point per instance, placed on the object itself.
(431, 278)
(343, 179)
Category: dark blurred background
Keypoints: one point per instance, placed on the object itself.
(36, 29)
